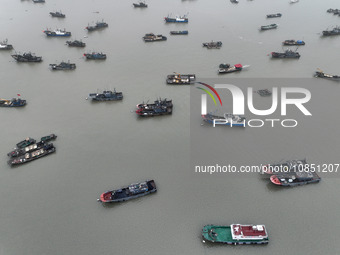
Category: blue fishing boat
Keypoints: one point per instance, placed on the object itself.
(57, 32)
(184, 32)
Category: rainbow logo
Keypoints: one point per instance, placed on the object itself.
(209, 93)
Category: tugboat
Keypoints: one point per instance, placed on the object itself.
(295, 178)
(264, 92)
(26, 142)
(271, 26)
(57, 32)
(63, 66)
(180, 79)
(153, 38)
(140, 5)
(134, 190)
(213, 45)
(75, 43)
(107, 95)
(226, 68)
(293, 43)
(321, 74)
(228, 119)
(277, 15)
(285, 167)
(14, 102)
(184, 32)
(95, 55)
(159, 107)
(5, 46)
(177, 19)
(286, 54)
(236, 234)
(334, 31)
(40, 152)
(97, 26)
(26, 57)
(58, 14)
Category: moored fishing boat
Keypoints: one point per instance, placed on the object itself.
(26, 142)
(150, 37)
(180, 79)
(213, 45)
(98, 25)
(334, 31)
(286, 54)
(75, 43)
(95, 55)
(48, 138)
(63, 66)
(38, 1)
(57, 14)
(267, 27)
(14, 102)
(184, 32)
(106, 95)
(284, 167)
(140, 5)
(293, 42)
(134, 190)
(235, 234)
(228, 119)
(226, 68)
(26, 57)
(57, 33)
(277, 15)
(177, 19)
(264, 92)
(321, 74)
(159, 107)
(5, 46)
(295, 178)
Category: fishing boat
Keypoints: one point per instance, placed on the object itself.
(321, 74)
(153, 38)
(75, 43)
(213, 45)
(57, 14)
(295, 178)
(159, 107)
(180, 79)
(14, 102)
(235, 234)
(267, 27)
(226, 68)
(293, 43)
(227, 119)
(184, 32)
(38, 1)
(264, 92)
(48, 138)
(286, 54)
(177, 19)
(63, 66)
(334, 31)
(30, 156)
(26, 57)
(284, 167)
(277, 15)
(57, 33)
(140, 5)
(5, 46)
(234, 1)
(106, 95)
(95, 55)
(98, 25)
(26, 142)
(134, 190)
(294, 1)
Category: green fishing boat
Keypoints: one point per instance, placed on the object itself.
(235, 234)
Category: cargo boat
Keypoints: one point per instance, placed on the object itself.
(180, 79)
(293, 43)
(63, 66)
(57, 14)
(97, 26)
(226, 68)
(14, 102)
(107, 95)
(177, 19)
(159, 107)
(57, 33)
(5, 46)
(26, 142)
(294, 178)
(184, 32)
(153, 38)
(134, 190)
(228, 119)
(95, 55)
(213, 45)
(140, 5)
(277, 15)
(30, 156)
(75, 43)
(321, 74)
(267, 27)
(334, 31)
(285, 167)
(286, 54)
(236, 234)
(26, 57)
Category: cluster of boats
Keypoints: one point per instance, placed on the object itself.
(334, 11)
(29, 149)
